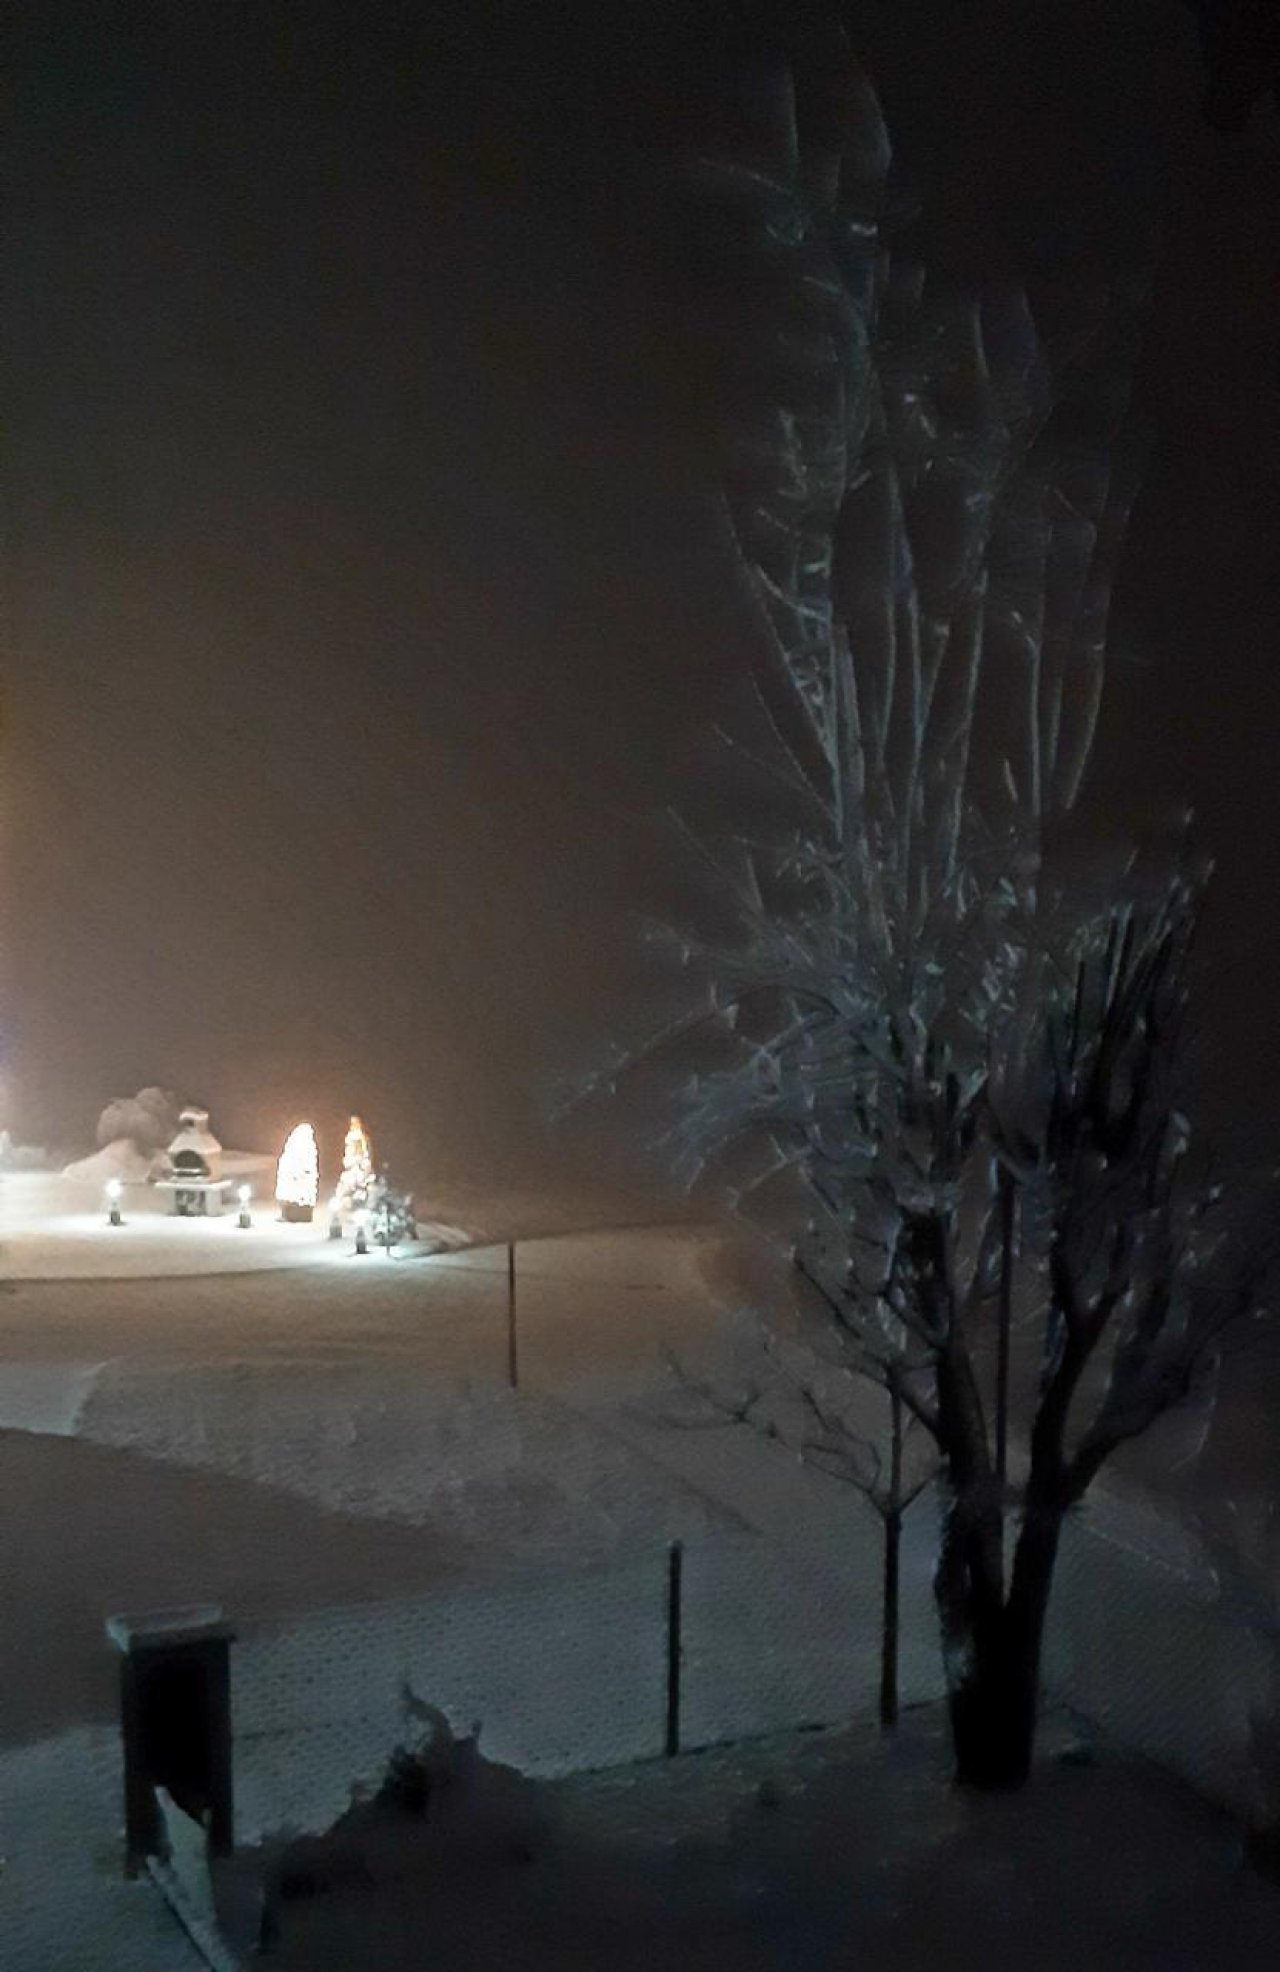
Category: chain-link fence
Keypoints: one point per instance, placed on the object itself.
(569, 1671)
(566, 1672)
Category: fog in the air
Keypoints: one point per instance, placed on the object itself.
(368, 601)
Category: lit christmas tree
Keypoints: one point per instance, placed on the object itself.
(298, 1175)
(357, 1168)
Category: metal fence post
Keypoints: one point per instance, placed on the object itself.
(675, 1573)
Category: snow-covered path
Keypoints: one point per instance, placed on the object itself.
(65, 1906)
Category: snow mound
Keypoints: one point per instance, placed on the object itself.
(121, 1160)
(521, 1477)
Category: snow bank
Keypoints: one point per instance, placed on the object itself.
(121, 1160)
(516, 1476)
(45, 1397)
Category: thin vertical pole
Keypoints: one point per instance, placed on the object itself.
(891, 1587)
(513, 1368)
(675, 1570)
(1006, 1324)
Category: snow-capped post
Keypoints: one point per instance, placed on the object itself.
(175, 1702)
(513, 1367)
(675, 1582)
(113, 1191)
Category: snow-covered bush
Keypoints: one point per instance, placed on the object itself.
(149, 1120)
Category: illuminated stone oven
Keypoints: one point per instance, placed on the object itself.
(195, 1181)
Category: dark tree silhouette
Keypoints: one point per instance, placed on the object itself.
(949, 1053)
(1241, 44)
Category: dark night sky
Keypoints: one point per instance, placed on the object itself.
(367, 603)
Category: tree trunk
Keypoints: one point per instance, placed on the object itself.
(992, 1651)
(889, 1620)
(993, 1714)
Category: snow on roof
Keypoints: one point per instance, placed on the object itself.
(196, 1135)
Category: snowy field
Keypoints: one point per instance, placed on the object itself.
(311, 1436)
(309, 1431)
(316, 1433)
(52, 1228)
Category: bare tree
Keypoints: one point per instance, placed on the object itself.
(941, 1049)
(797, 1394)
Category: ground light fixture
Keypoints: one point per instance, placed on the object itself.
(244, 1194)
(362, 1231)
(113, 1189)
(335, 1217)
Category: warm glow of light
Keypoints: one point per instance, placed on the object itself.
(357, 1165)
(114, 1189)
(245, 1193)
(298, 1172)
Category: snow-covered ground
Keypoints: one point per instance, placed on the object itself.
(377, 1393)
(307, 1431)
(65, 1905)
(52, 1228)
(512, 1477)
(797, 1854)
(310, 1436)
(321, 1430)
